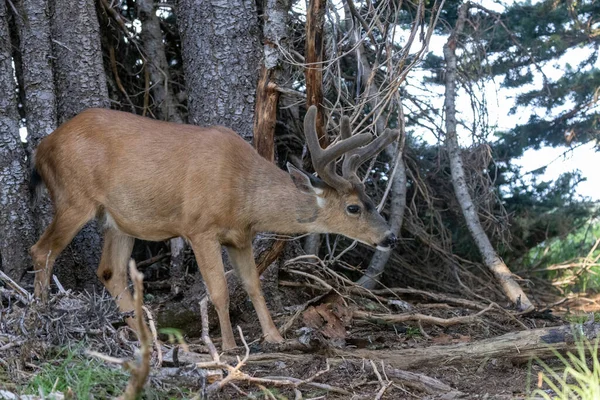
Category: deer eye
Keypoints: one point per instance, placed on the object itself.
(353, 209)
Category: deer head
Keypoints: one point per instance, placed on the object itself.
(345, 207)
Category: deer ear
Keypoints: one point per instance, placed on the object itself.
(304, 181)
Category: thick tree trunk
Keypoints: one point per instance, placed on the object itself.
(36, 54)
(162, 93)
(491, 259)
(33, 23)
(221, 54)
(15, 219)
(79, 71)
(80, 83)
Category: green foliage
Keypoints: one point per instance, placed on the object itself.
(85, 376)
(533, 38)
(88, 378)
(412, 332)
(572, 259)
(577, 377)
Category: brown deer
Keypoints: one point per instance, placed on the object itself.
(156, 180)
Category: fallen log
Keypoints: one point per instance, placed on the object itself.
(515, 347)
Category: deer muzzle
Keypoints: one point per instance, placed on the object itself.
(389, 242)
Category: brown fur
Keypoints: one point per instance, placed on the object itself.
(155, 180)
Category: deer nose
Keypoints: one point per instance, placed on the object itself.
(390, 241)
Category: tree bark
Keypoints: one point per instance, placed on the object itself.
(265, 116)
(315, 21)
(15, 219)
(79, 71)
(162, 93)
(491, 259)
(267, 96)
(221, 55)
(80, 83)
(33, 23)
(156, 62)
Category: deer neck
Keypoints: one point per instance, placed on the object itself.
(279, 206)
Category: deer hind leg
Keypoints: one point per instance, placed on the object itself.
(208, 255)
(112, 270)
(243, 262)
(66, 223)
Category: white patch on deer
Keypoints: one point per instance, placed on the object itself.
(109, 221)
(321, 201)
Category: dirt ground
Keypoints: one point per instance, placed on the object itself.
(328, 329)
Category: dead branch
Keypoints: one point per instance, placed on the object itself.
(427, 319)
(141, 367)
(212, 350)
(236, 374)
(154, 336)
(23, 295)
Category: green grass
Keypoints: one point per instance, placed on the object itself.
(86, 377)
(576, 377)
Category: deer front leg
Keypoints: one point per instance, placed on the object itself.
(208, 256)
(243, 262)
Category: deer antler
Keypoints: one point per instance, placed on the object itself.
(324, 159)
(354, 159)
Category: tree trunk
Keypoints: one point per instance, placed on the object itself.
(80, 83)
(33, 23)
(156, 62)
(275, 32)
(162, 93)
(221, 55)
(491, 259)
(15, 219)
(315, 21)
(267, 96)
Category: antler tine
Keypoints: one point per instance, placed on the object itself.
(324, 159)
(354, 160)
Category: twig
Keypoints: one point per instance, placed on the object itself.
(384, 384)
(141, 368)
(212, 350)
(154, 259)
(159, 355)
(27, 297)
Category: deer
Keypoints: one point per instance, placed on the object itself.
(155, 180)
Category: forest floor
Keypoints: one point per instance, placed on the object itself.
(342, 342)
